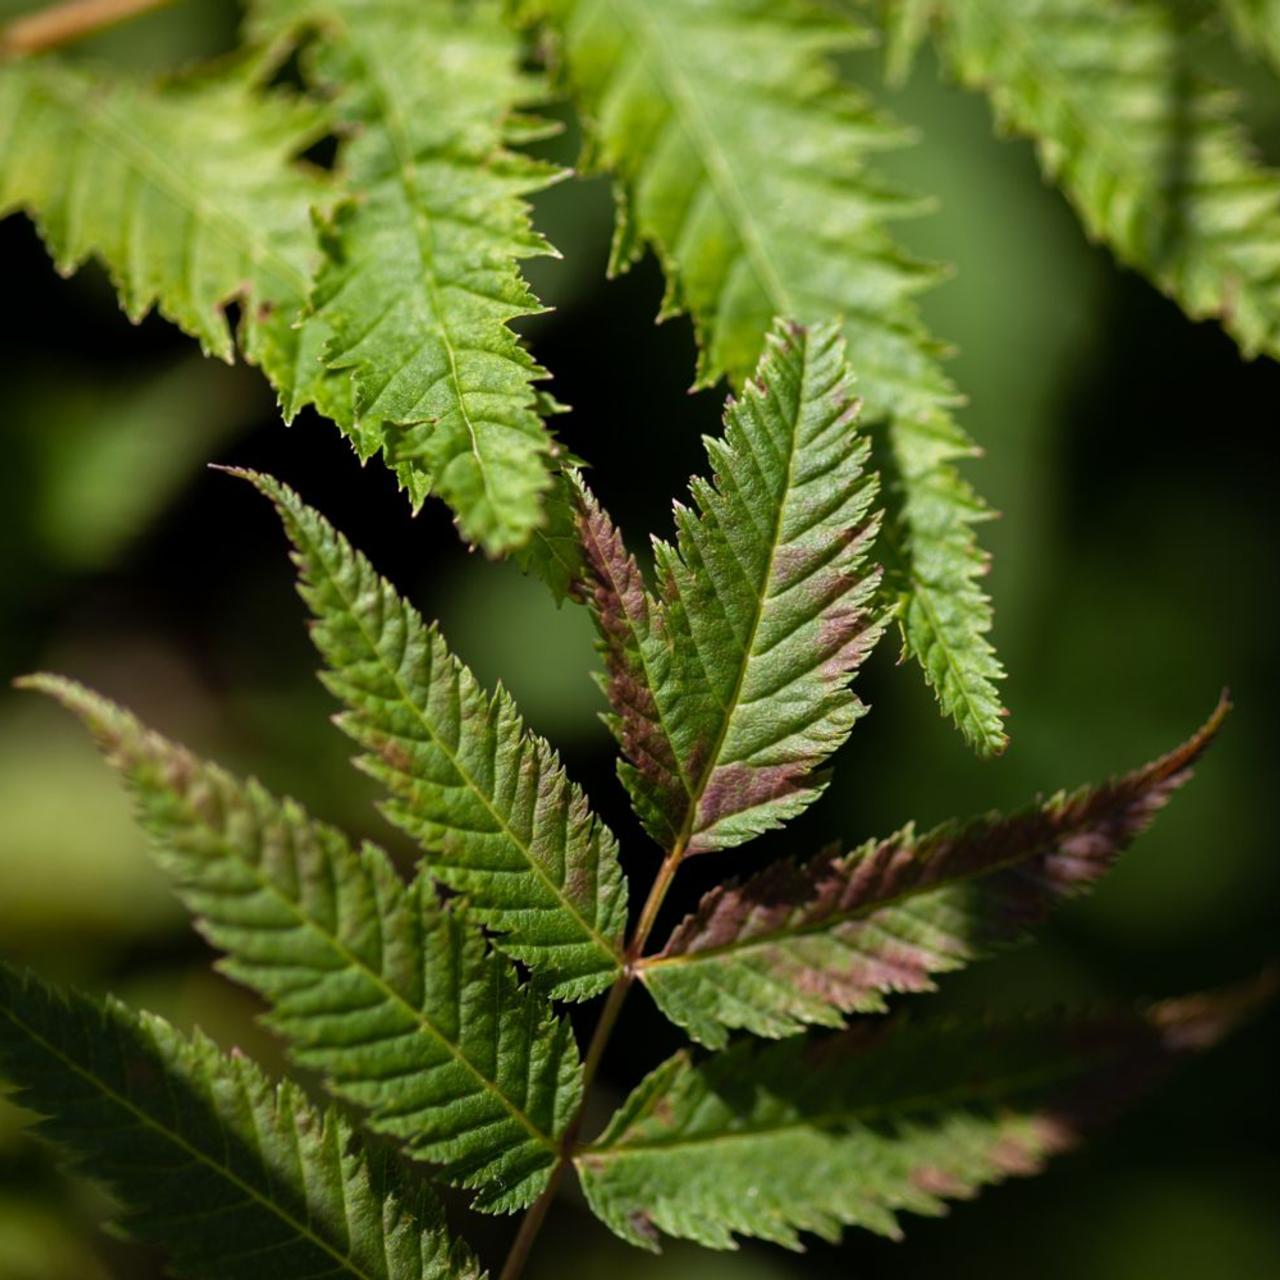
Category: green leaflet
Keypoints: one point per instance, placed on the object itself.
(420, 278)
(390, 996)
(188, 194)
(398, 330)
(488, 800)
(1147, 152)
(770, 1141)
(742, 161)
(933, 567)
(802, 944)
(731, 686)
(1256, 25)
(237, 1179)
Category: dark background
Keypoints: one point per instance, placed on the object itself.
(1134, 576)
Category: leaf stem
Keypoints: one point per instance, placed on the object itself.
(62, 23)
(518, 1254)
(595, 1050)
(532, 1224)
(653, 904)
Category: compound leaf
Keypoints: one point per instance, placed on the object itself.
(744, 162)
(388, 994)
(732, 685)
(801, 944)
(236, 1178)
(773, 1140)
(1149, 153)
(488, 800)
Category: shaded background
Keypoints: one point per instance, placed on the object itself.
(1134, 576)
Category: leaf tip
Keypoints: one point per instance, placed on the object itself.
(62, 688)
(1197, 1022)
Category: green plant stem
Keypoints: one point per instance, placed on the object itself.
(518, 1254)
(599, 1041)
(653, 904)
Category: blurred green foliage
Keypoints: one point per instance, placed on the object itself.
(1132, 573)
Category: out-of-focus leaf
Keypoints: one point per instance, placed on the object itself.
(87, 875)
(111, 458)
(39, 1241)
(1150, 154)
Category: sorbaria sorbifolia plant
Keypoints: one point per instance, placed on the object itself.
(381, 294)
(729, 679)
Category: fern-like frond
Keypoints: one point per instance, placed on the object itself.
(188, 194)
(389, 995)
(742, 160)
(801, 944)
(421, 278)
(732, 685)
(488, 800)
(1149, 154)
(774, 1140)
(237, 1179)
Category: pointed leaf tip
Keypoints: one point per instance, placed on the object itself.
(730, 682)
(421, 277)
(236, 1178)
(1197, 1022)
(450, 1056)
(803, 944)
(1089, 84)
(772, 1140)
(762, 245)
(488, 800)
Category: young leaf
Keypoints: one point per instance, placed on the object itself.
(392, 997)
(801, 944)
(770, 1141)
(187, 194)
(420, 280)
(1148, 153)
(742, 160)
(641, 679)
(488, 800)
(236, 1178)
(732, 686)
